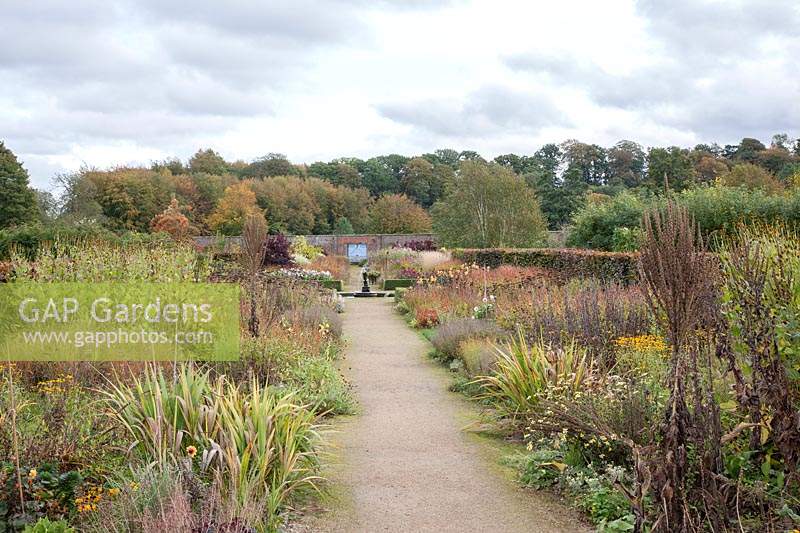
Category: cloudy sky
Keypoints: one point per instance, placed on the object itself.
(106, 82)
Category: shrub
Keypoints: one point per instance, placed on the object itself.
(717, 210)
(426, 318)
(320, 387)
(392, 284)
(171, 221)
(301, 247)
(452, 333)
(567, 263)
(173, 499)
(278, 250)
(593, 226)
(317, 317)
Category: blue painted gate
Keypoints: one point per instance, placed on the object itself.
(356, 252)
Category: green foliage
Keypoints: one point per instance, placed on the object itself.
(17, 200)
(718, 210)
(392, 284)
(208, 161)
(669, 168)
(343, 227)
(45, 492)
(271, 165)
(129, 198)
(488, 205)
(27, 240)
(45, 525)
(625, 239)
(423, 181)
(594, 225)
(606, 506)
(320, 386)
(539, 469)
(522, 372)
(257, 443)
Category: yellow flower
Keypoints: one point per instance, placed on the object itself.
(32, 474)
(642, 343)
(113, 491)
(191, 451)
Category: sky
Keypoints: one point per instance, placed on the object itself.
(102, 83)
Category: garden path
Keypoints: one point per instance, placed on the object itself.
(405, 463)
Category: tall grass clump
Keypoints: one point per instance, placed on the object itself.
(256, 444)
(449, 336)
(101, 261)
(524, 371)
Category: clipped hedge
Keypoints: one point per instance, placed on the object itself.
(392, 284)
(568, 262)
(335, 284)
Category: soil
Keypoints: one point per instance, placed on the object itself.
(406, 461)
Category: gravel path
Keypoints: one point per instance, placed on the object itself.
(406, 464)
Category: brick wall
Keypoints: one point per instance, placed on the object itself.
(332, 244)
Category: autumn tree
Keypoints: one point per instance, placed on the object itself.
(486, 206)
(707, 165)
(172, 221)
(397, 213)
(17, 199)
(237, 204)
(752, 177)
(287, 203)
(130, 197)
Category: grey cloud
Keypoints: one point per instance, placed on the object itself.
(487, 111)
(709, 79)
(298, 21)
(152, 73)
(707, 30)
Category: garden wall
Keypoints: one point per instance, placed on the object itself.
(608, 266)
(332, 244)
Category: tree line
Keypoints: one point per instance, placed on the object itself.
(390, 193)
